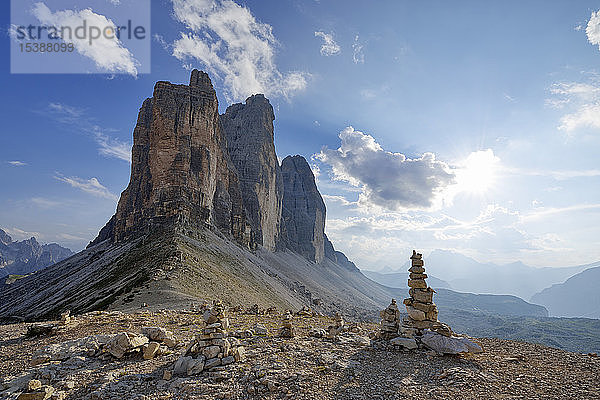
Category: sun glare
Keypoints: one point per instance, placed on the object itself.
(477, 174)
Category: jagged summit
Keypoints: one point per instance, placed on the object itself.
(181, 173)
(303, 209)
(201, 80)
(249, 132)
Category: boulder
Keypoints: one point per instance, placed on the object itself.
(181, 365)
(195, 366)
(42, 393)
(449, 345)
(150, 350)
(124, 342)
(260, 330)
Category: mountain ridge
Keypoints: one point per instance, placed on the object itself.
(26, 256)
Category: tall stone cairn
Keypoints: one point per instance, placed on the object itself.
(422, 311)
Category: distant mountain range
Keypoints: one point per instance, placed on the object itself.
(465, 274)
(27, 256)
(400, 279)
(578, 296)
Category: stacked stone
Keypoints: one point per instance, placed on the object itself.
(422, 312)
(212, 348)
(287, 329)
(334, 330)
(390, 321)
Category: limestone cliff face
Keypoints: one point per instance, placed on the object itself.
(181, 173)
(303, 214)
(191, 167)
(250, 143)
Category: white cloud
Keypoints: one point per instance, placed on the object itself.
(108, 54)
(45, 203)
(593, 29)
(329, 46)
(388, 180)
(587, 116)
(358, 56)
(91, 186)
(17, 163)
(582, 102)
(107, 146)
(234, 46)
(111, 147)
(115, 2)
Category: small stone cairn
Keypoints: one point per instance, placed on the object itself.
(287, 329)
(334, 330)
(390, 321)
(212, 348)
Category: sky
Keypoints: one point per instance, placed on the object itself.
(466, 126)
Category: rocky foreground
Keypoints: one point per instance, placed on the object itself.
(351, 366)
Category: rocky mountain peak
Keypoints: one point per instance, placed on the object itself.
(249, 131)
(192, 167)
(201, 80)
(5, 238)
(181, 173)
(303, 215)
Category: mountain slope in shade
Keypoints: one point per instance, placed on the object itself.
(578, 296)
(168, 269)
(400, 279)
(24, 257)
(465, 274)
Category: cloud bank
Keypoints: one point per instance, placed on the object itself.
(388, 180)
(234, 46)
(107, 53)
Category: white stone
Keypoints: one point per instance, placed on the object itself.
(449, 345)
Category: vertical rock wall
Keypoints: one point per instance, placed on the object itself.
(250, 144)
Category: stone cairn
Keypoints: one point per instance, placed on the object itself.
(422, 311)
(211, 349)
(390, 321)
(334, 330)
(287, 329)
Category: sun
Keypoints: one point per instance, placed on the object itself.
(477, 173)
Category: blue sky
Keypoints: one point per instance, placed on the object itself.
(469, 126)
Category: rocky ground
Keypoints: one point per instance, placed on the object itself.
(303, 367)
